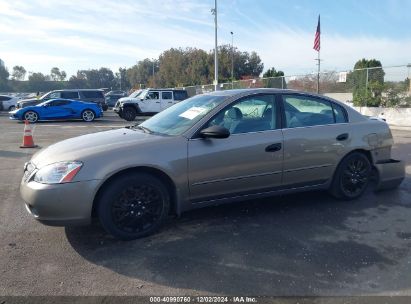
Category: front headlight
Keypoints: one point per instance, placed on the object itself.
(58, 173)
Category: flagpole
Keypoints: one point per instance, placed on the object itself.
(318, 73)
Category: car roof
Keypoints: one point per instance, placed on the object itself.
(245, 92)
(76, 90)
(151, 89)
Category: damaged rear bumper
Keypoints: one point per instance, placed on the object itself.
(390, 174)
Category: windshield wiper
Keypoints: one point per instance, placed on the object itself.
(145, 130)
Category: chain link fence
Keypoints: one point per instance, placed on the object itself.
(378, 86)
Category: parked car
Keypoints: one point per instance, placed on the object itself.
(209, 149)
(55, 109)
(89, 95)
(148, 101)
(116, 93)
(8, 103)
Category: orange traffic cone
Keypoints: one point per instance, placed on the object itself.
(27, 137)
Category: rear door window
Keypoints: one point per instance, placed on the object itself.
(166, 95)
(69, 95)
(92, 94)
(307, 111)
(180, 95)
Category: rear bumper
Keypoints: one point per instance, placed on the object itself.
(390, 174)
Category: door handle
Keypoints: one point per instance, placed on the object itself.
(342, 137)
(273, 148)
(157, 102)
(170, 102)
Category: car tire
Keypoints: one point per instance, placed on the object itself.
(133, 206)
(12, 108)
(88, 115)
(31, 116)
(129, 113)
(351, 177)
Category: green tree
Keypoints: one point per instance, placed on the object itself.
(140, 73)
(38, 82)
(19, 73)
(121, 79)
(93, 79)
(275, 79)
(367, 81)
(57, 75)
(4, 76)
(77, 81)
(273, 73)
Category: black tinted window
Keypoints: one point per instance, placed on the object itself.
(307, 111)
(340, 115)
(69, 95)
(4, 98)
(92, 94)
(56, 103)
(180, 95)
(167, 95)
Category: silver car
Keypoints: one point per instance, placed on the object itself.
(209, 149)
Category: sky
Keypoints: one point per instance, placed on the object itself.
(85, 34)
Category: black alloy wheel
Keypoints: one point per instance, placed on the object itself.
(133, 206)
(352, 176)
(129, 113)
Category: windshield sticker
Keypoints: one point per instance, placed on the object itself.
(192, 112)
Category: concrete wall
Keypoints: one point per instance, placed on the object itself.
(393, 116)
(343, 97)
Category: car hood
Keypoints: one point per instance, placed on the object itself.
(129, 99)
(92, 145)
(28, 100)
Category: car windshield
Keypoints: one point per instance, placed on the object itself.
(135, 93)
(44, 102)
(182, 116)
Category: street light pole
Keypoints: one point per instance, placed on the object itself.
(409, 80)
(232, 59)
(214, 12)
(153, 73)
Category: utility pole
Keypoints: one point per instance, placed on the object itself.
(318, 73)
(153, 73)
(232, 59)
(214, 12)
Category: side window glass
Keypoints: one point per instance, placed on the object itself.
(340, 116)
(153, 95)
(251, 114)
(54, 95)
(180, 95)
(304, 111)
(69, 95)
(167, 95)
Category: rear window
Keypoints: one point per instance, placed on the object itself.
(92, 94)
(69, 95)
(180, 95)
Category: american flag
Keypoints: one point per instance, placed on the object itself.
(317, 37)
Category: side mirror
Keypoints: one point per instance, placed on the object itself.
(215, 132)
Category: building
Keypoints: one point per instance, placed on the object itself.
(2, 63)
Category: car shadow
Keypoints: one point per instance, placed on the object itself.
(300, 244)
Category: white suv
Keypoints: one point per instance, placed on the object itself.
(148, 101)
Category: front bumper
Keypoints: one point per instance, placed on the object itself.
(59, 204)
(391, 173)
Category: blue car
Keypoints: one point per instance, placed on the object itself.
(55, 109)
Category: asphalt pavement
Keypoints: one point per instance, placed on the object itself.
(296, 245)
